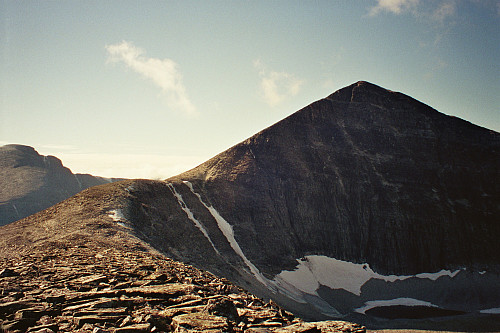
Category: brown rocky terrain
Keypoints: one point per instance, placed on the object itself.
(71, 269)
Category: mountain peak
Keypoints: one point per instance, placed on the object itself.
(363, 91)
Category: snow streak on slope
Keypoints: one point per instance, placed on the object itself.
(228, 232)
(190, 215)
(337, 274)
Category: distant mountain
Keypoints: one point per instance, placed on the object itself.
(367, 205)
(30, 182)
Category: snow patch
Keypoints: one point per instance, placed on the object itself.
(337, 274)
(117, 216)
(391, 302)
(491, 311)
(437, 275)
(190, 215)
(228, 232)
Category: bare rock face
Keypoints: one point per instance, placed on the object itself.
(30, 182)
(356, 176)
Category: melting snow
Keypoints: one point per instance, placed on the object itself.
(337, 274)
(117, 216)
(190, 215)
(390, 302)
(228, 232)
(437, 275)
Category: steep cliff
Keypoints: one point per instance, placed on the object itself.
(365, 185)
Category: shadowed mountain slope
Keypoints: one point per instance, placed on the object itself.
(361, 174)
(75, 267)
(30, 182)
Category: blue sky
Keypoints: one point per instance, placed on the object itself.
(152, 88)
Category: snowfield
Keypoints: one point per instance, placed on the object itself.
(337, 274)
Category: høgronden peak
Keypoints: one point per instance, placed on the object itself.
(367, 205)
(30, 182)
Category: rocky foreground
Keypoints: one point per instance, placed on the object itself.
(85, 287)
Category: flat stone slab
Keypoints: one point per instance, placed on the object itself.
(199, 322)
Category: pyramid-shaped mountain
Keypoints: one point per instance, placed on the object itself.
(368, 183)
(359, 175)
(366, 205)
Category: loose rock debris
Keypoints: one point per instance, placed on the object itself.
(92, 289)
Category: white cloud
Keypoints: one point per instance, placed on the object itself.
(393, 6)
(436, 11)
(277, 86)
(164, 73)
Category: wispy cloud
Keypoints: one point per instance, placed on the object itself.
(436, 11)
(163, 72)
(444, 10)
(393, 6)
(277, 86)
